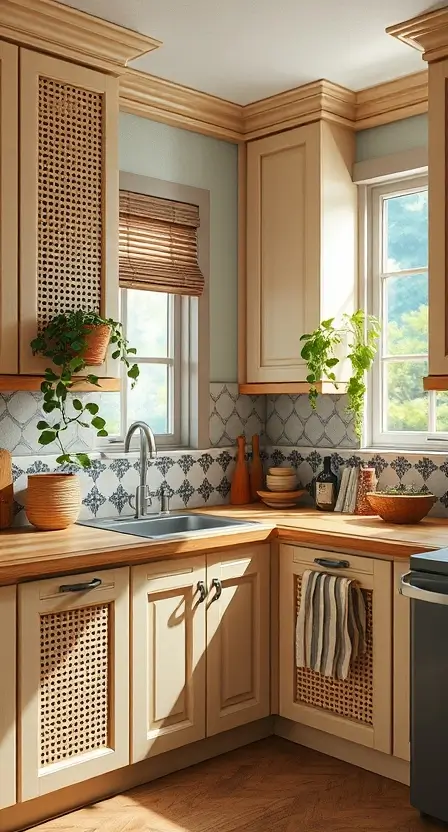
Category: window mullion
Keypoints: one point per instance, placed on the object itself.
(432, 414)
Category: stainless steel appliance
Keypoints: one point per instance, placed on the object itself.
(427, 587)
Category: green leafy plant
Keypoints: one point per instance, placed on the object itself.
(63, 340)
(404, 491)
(362, 333)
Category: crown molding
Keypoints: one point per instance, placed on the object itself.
(392, 101)
(310, 102)
(165, 101)
(427, 32)
(59, 30)
(160, 100)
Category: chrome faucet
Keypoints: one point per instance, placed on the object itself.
(147, 443)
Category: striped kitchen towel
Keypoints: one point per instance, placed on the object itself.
(331, 624)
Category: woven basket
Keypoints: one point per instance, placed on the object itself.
(53, 500)
(97, 342)
(401, 508)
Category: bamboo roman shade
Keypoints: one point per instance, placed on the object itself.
(158, 247)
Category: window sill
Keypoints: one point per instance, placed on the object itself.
(404, 450)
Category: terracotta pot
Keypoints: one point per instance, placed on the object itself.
(53, 500)
(401, 508)
(97, 342)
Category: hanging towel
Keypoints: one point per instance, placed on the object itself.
(331, 624)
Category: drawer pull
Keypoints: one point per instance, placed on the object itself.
(202, 591)
(332, 564)
(93, 584)
(217, 585)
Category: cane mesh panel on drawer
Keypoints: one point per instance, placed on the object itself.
(352, 697)
(69, 199)
(74, 683)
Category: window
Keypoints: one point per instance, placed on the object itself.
(153, 324)
(160, 288)
(402, 412)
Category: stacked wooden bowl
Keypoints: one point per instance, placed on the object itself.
(282, 488)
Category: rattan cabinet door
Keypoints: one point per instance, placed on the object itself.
(68, 195)
(74, 679)
(359, 708)
(8, 696)
(9, 103)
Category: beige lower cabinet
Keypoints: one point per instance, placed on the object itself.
(168, 655)
(357, 709)
(73, 679)
(238, 666)
(8, 696)
(401, 660)
(200, 655)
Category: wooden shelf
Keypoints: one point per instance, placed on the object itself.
(435, 383)
(32, 384)
(292, 388)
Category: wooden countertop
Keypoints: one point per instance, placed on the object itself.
(369, 535)
(27, 554)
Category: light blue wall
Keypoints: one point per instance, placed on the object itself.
(391, 138)
(151, 149)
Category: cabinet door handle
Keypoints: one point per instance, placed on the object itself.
(93, 584)
(216, 583)
(202, 591)
(332, 563)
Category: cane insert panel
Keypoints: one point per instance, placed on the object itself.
(351, 698)
(74, 683)
(70, 197)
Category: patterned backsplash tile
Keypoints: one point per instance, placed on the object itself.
(290, 420)
(291, 432)
(192, 479)
(232, 415)
(427, 472)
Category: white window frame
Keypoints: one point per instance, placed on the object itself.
(178, 429)
(192, 323)
(372, 221)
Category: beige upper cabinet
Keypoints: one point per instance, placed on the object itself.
(8, 696)
(301, 244)
(73, 679)
(168, 655)
(357, 709)
(68, 195)
(9, 120)
(238, 631)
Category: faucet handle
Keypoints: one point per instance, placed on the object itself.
(164, 501)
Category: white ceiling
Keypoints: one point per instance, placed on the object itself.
(244, 50)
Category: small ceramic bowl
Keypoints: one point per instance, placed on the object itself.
(281, 483)
(282, 472)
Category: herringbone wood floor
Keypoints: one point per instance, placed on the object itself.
(269, 786)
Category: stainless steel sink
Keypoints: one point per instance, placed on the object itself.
(173, 525)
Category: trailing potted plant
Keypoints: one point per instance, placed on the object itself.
(361, 332)
(73, 341)
(402, 504)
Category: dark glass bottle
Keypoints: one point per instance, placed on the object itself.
(326, 486)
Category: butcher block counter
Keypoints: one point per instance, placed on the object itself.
(27, 554)
(369, 535)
